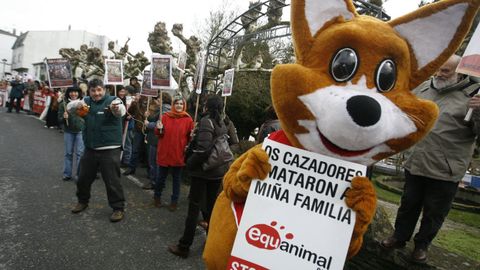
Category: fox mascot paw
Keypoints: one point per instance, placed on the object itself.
(347, 96)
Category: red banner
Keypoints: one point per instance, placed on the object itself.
(236, 263)
(39, 102)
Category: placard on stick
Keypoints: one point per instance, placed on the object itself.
(161, 70)
(470, 63)
(113, 72)
(147, 85)
(59, 72)
(297, 217)
(228, 82)
(182, 60)
(198, 78)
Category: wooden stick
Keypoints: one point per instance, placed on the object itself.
(224, 105)
(65, 107)
(161, 106)
(196, 109)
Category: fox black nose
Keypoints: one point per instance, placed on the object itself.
(364, 110)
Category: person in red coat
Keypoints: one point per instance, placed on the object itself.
(173, 132)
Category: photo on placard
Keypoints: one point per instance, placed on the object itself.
(147, 85)
(59, 72)
(182, 60)
(161, 70)
(113, 71)
(228, 82)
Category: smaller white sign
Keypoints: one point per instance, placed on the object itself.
(113, 72)
(198, 78)
(470, 63)
(161, 71)
(228, 82)
(297, 217)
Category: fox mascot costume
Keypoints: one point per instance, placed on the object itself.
(347, 96)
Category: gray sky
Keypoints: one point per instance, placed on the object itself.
(121, 19)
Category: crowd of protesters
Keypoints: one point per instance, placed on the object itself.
(154, 131)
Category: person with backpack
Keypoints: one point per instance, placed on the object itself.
(204, 181)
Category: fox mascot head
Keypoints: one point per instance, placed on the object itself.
(348, 96)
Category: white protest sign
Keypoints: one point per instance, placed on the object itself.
(113, 72)
(470, 63)
(198, 78)
(297, 217)
(228, 82)
(161, 71)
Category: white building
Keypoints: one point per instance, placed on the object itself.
(33, 47)
(7, 40)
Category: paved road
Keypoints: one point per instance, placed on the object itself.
(37, 230)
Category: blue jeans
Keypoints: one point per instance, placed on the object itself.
(162, 176)
(127, 147)
(152, 164)
(73, 144)
(138, 140)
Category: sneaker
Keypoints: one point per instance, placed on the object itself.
(177, 251)
(67, 178)
(117, 215)
(172, 207)
(79, 207)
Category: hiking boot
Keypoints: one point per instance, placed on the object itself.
(419, 255)
(79, 207)
(178, 251)
(117, 215)
(157, 202)
(392, 243)
(172, 207)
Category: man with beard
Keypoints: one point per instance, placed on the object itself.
(439, 162)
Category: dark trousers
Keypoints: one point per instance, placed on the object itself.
(434, 197)
(137, 144)
(17, 104)
(162, 177)
(108, 162)
(198, 187)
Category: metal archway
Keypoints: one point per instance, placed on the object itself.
(230, 37)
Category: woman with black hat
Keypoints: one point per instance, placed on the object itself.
(73, 126)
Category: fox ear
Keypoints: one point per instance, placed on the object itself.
(434, 32)
(310, 16)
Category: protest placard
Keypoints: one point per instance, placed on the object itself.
(147, 85)
(297, 217)
(59, 72)
(113, 72)
(470, 63)
(182, 60)
(198, 77)
(228, 82)
(161, 71)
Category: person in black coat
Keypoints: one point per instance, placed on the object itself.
(203, 183)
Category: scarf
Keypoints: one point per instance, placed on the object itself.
(174, 114)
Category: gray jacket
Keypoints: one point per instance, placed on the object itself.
(446, 152)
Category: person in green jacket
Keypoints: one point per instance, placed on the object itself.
(73, 126)
(103, 141)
